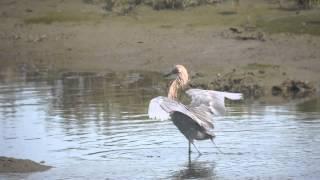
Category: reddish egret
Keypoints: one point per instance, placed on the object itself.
(194, 120)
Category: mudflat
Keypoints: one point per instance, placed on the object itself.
(77, 36)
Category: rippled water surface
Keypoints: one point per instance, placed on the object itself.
(95, 126)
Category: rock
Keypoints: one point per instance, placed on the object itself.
(158, 4)
(251, 36)
(191, 3)
(293, 89)
(108, 5)
(213, 1)
(178, 4)
(198, 85)
(40, 38)
(235, 30)
(17, 37)
(276, 90)
(120, 7)
(29, 10)
(123, 7)
(197, 75)
(167, 4)
(243, 33)
(148, 2)
(4, 14)
(298, 89)
(245, 83)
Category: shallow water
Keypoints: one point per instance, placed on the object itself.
(95, 126)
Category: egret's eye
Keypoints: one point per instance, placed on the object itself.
(175, 71)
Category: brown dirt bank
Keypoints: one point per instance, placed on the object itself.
(125, 43)
(12, 165)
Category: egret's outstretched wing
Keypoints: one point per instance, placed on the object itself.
(161, 108)
(155, 110)
(214, 100)
(204, 114)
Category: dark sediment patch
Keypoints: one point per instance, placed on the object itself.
(248, 32)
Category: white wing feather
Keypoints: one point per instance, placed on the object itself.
(155, 110)
(161, 107)
(213, 99)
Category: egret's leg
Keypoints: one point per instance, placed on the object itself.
(196, 148)
(216, 146)
(189, 148)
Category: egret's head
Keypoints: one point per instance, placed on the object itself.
(180, 82)
(182, 74)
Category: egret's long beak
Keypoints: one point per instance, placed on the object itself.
(174, 71)
(167, 74)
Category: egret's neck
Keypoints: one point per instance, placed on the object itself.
(179, 83)
(173, 90)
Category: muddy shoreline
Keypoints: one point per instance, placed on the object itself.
(13, 165)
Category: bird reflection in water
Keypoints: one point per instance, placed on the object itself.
(195, 169)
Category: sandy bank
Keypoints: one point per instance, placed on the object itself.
(12, 165)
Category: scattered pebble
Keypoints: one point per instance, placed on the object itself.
(40, 38)
(29, 10)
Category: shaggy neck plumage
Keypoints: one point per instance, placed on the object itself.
(179, 83)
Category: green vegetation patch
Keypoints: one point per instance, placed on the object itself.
(307, 22)
(254, 66)
(53, 17)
